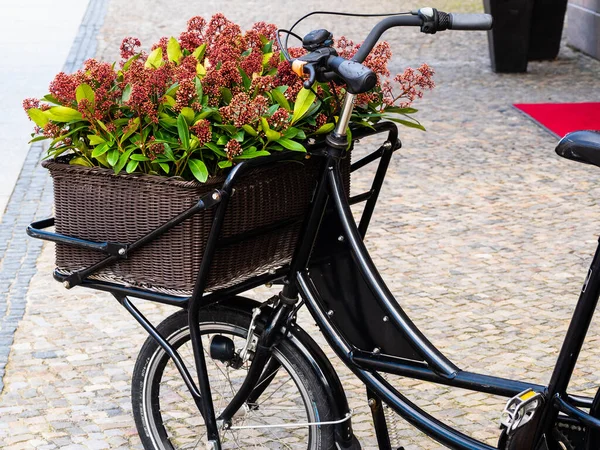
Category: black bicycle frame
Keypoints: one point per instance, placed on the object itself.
(423, 360)
(364, 324)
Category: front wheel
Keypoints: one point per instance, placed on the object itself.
(166, 415)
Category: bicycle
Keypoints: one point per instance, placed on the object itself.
(246, 354)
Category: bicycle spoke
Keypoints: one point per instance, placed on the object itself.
(275, 391)
(282, 404)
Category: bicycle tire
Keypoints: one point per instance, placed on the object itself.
(155, 379)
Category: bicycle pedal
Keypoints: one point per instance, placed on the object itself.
(520, 409)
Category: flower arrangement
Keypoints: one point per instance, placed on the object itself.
(198, 104)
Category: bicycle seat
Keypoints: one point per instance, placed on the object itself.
(582, 146)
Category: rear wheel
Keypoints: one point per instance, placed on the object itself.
(167, 418)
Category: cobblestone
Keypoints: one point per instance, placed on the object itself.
(483, 233)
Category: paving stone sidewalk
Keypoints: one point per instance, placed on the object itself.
(482, 232)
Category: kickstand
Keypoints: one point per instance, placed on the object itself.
(379, 422)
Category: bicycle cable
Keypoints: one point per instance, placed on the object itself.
(284, 48)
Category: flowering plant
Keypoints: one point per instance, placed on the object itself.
(201, 103)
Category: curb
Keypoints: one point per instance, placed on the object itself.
(32, 200)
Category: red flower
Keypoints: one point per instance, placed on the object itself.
(29, 103)
(190, 40)
(63, 88)
(202, 131)
(233, 149)
(196, 23)
(279, 120)
(128, 47)
(162, 43)
(242, 111)
(253, 63)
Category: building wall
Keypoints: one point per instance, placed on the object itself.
(583, 29)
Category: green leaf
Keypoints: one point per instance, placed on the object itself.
(130, 129)
(304, 101)
(155, 59)
(80, 161)
(407, 123)
(326, 128)
(167, 121)
(222, 140)
(189, 114)
(229, 128)
(272, 135)
(198, 169)
(239, 136)
(199, 91)
(38, 117)
(164, 167)
(63, 114)
(63, 136)
(85, 91)
(272, 109)
(138, 157)
(226, 95)
(130, 60)
(225, 164)
(291, 132)
(278, 97)
(251, 131)
(123, 160)
(398, 110)
(170, 101)
(215, 148)
(291, 145)
(131, 166)
(254, 154)
(206, 112)
(51, 99)
(102, 125)
(316, 106)
(245, 80)
(100, 150)
(266, 58)
(95, 139)
(172, 89)
(126, 93)
(174, 50)
(199, 52)
(268, 47)
(200, 70)
(39, 138)
(184, 131)
(168, 152)
(113, 157)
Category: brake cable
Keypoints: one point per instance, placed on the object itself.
(284, 47)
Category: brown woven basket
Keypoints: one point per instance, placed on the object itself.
(95, 204)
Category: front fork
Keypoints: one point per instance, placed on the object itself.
(278, 318)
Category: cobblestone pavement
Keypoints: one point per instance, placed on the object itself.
(483, 233)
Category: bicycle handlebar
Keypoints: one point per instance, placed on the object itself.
(430, 20)
(470, 22)
(323, 63)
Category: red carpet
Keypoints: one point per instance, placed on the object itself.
(562, 118)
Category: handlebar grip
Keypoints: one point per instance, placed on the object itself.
(358, 78)
(470, 22)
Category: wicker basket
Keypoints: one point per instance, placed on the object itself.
(95, 204)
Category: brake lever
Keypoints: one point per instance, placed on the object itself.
(312, 76)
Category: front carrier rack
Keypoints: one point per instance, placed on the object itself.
(217, 200)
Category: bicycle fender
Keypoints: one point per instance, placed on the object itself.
(321, 365)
